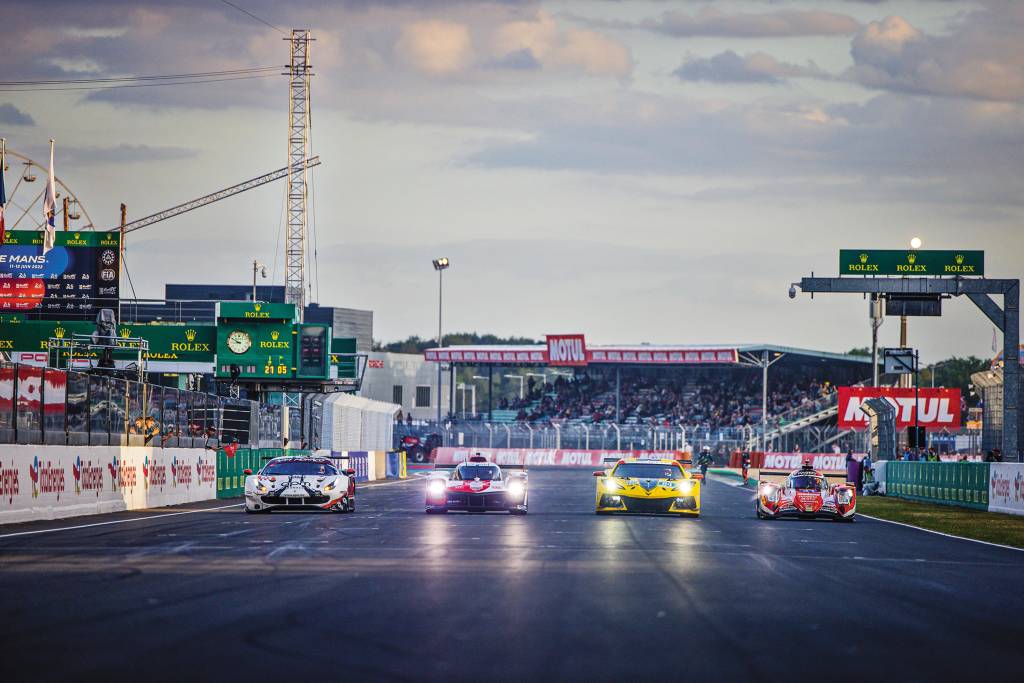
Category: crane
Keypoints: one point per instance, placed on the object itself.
(215, 196)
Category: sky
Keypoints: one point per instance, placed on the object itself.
(641, 171)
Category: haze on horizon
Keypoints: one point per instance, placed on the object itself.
(643, 171)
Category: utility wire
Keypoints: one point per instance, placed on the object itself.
(253, 16)
(137, 85)
(113, 79)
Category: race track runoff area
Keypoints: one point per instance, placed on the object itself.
(389, 593)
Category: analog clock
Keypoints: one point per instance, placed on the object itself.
(239, 341)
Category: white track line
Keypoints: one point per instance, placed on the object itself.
(939, 533)
(118, 521)
(168, 514)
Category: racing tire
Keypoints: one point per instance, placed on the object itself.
(264, 511)
(517, 512)
(351, 506)
(419, 456)
(434, 511)
(846, 520)
(602, 512)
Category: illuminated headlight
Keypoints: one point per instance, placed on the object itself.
(611, 485)
(435, 487)
(844, 496)
(685, 486)
(516, 488)
(770, 493)
(331, 486)
(259, 488)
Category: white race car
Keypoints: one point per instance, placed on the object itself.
(300, 482)
(477, 486)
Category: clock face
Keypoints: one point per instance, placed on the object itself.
(239, 342)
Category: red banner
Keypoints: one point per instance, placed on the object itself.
(567, 350)
(939, 408)
(541, 457)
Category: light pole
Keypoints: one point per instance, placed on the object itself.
(440, 265)
(257, 267)
(522, 380)
(474, 392)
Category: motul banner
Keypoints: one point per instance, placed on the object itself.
(939, 408)
(567, 349)
(541, 457)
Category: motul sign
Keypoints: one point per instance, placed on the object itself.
(567, 349)
(939, 408)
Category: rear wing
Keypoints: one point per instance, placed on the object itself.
(779, 476)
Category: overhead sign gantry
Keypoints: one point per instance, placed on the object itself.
(944, 275)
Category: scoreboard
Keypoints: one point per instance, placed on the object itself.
(79, 276)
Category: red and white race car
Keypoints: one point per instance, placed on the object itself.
(805, 493)
(477, 486)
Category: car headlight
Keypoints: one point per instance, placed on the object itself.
(770, 493)
(516, 488)
(259, 488)
(332, 485)
(844, 496)
(685, 486)
(611, 484)
(435, 487)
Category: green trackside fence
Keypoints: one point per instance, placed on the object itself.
(964, 484)
(231, 470)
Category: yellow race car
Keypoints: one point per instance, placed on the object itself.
(648, 486)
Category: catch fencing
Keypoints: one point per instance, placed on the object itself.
(64, 407)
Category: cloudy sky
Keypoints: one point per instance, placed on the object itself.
(641, 171)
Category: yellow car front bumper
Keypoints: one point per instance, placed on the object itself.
(658, 501)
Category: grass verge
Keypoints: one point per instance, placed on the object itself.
(993, 527)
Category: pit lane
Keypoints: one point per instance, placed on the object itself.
(561, 594)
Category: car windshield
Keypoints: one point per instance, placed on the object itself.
(482, 472)
(312, 468)
(645, 470)
(806, 481)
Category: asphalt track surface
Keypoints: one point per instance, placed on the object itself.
(389, 593)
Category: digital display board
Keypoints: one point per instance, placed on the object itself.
(80, 275)
(260, 349)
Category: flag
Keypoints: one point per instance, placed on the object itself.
(3, 193)
(50, 208)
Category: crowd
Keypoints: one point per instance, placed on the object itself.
(713, 401)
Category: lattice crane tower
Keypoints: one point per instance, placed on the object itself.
(298, 151)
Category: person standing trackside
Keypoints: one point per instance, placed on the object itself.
(746, 466)
(704, 460)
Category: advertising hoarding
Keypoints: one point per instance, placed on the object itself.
(911, 262)
(939, 408)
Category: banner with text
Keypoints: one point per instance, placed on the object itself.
(1006, 487)
(939, 408)
(50, 482)
(541, 457)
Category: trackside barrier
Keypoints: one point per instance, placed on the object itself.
(231, 469)
(396, 468)
(1006, 488)
(50, 482)
(965, 484)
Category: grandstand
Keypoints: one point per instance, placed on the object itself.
(707, 389)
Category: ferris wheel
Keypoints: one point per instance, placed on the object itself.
(24, 208)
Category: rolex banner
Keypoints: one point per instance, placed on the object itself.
(27, 340)
(74, 279)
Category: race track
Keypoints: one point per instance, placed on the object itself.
(562, 594)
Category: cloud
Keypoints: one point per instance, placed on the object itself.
(12, 116)
(516, 60)
(980, 58)
(783, 23)
(729, 67)
(435, 46)
(575, 49)
(125, 154)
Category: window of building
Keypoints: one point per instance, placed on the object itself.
(422, 397)
(396, 394)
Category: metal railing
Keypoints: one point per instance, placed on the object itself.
(49, 406)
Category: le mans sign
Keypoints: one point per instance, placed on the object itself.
(910, 262)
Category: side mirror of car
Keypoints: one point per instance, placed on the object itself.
(247, 471)
(350, 472)
(599, 473)
(697, 476)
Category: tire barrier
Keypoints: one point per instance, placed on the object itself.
(965, 484)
